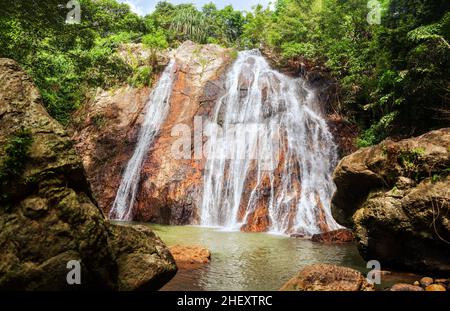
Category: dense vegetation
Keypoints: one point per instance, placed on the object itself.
(393, 75)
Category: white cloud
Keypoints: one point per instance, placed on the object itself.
(134, 7)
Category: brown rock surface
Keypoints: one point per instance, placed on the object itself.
(190, 257)
(337, 236)
(401, 287)
(322, 277)
(435, 288)
(426, 281)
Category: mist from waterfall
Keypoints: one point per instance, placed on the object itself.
(155, 114)
(298, 191)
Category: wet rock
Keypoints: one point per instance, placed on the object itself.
(426, 281)
(322, 277)
(52, 218)
(398, 214)
(435, 288)
(105, 132)
(337, 236)
(170, 188)
(406, 288)
(257, 221)
(190, 257)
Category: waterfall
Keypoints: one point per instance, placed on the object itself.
(155, 114)
(297, 192)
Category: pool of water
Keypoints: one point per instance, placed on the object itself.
(250, 261)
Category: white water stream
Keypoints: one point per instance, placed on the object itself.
(271, 110)
(155, 114)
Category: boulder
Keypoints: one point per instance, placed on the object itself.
(336, 236)
(321, 277)
(426, 281)
(190, 257)
(396, 198)
(48, 216)
(143, 261)
(401, 287)
(435, 288)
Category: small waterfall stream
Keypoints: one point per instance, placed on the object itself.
(297, 192)
(155, 114)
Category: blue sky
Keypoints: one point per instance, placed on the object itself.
(143, 7)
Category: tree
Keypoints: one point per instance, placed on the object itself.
(190, 24)
(155, 42)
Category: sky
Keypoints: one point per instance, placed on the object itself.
(143, 7)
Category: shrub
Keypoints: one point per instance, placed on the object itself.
(13, 164)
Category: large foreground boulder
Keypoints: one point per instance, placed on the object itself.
(396, 197)
(48, 217)
(321, 277)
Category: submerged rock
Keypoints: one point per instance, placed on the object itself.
(321, 277)
(396, 198)
(337, 236)
(51, 217)
(189, 257)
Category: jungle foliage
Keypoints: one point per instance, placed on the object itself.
(393, 74)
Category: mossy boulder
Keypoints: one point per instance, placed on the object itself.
(396, 198)
(51, 217)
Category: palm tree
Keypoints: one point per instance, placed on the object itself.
(190, 24)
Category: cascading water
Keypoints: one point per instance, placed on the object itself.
(156, 111)
(297, 193)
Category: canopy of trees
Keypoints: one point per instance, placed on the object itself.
(393, 73)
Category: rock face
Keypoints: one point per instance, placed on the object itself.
(190, 257)
(327, 278)
(52, 218)
(396, 197)
(170, 188)
(105, 135)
